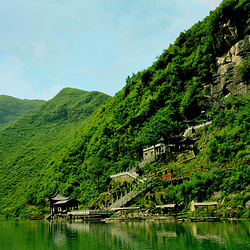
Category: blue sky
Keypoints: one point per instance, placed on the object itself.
(47, 45)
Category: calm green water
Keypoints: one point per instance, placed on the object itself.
(22, 235)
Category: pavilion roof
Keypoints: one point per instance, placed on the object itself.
(166, 206)
(205, 204)
(66, 201)
(58, 197)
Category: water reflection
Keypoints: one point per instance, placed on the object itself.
(58, 234)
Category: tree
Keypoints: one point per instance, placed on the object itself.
(96, 169)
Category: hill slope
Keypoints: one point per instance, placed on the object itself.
(152, 105)
(27, 145)
(13, 108)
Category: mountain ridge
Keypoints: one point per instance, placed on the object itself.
(152, 106)
(27, 144)
(12, 108)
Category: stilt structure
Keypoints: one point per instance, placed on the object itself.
(60, 204)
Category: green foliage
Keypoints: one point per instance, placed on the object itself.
(233, 184)
(238, 180)
(12, 108)
(244, 69)
(231, 142)
(30, 143)
(76, 140)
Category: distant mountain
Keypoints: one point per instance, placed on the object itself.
(28, 144)
(13, 108)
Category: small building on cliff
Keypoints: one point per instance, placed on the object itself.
(152, 152)
(128, 176)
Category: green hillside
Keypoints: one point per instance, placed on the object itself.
(152, 106)
(12, 108)
(28, 144)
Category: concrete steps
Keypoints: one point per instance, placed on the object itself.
(124, 200)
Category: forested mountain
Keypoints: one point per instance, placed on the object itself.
(192, 75)
(13, 108)
(28, 144)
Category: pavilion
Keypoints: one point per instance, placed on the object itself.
(60, 204)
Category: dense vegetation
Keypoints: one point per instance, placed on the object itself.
(12, 108)
(28, 144)
(223, 164)
(151, 106)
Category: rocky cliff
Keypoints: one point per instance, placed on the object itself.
(226, 81)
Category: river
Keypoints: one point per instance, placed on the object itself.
(24, 234)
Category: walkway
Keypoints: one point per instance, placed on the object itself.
(124, 200)
(195, 128)
(225, 166)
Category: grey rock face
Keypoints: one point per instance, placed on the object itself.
(225, 80)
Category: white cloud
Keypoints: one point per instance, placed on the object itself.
(39, 49)
(13, 62)
(11, 83)
(76, 70)
(213, 3)
(10, 77)
(12, 87)
(89, 44)
(47, 95)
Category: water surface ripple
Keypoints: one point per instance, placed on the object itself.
(38, 235)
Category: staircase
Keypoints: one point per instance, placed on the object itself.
(124, 200)
(188, 130)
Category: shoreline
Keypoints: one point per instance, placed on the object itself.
(193, 219)
(152, 219)
(155, 219)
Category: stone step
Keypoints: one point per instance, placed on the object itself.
(127, 198)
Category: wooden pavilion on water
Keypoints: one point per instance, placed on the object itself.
(60, 204)
(206, 215)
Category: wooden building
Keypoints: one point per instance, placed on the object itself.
(195, 205)
(60, 204)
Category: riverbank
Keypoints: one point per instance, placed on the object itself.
(210, 219)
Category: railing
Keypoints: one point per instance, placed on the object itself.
(196, 127)
(225, 166)
(132, 175)
(167, 177)
(128, 197)
(88, 212)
